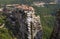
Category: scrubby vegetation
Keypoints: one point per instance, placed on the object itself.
(4, 33)
(47, 19)
(47, 15)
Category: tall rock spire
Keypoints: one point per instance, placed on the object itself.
(29, 24)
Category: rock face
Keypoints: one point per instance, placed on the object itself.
(34, 26)
(29, 26)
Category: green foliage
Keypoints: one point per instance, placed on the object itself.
(4, 32)
(21, 1)
(47, 19)
(1, 18)
(16, 1)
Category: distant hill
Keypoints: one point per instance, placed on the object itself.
(15, 1)
(22, 1)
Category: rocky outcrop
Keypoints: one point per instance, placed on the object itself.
(2, 26)
(34, 23)
(25, 23)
